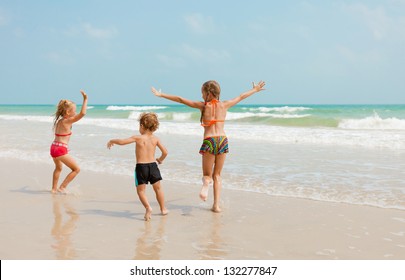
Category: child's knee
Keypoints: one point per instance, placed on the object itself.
(75, 169)
(140, 189)
(217, 177)
(207, 177)
(157, 187)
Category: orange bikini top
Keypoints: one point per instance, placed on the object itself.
(213, 121)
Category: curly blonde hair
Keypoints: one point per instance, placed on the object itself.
(149, 121)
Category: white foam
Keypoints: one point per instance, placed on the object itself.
(389, 139)
(284, 109)
(27, 118)
(134, 108)
(134, 115)
(374, 122)
(245, 115)
(182, 116)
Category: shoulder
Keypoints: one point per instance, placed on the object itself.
(135, 137)
(199, 104)
(155, 138)
(65, 121)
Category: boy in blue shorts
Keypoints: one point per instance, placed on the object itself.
(146, 170)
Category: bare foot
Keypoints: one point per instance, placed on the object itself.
(54, 191)
(148, 214)
(61, 190)
(164, 212)
(204, 189)
(216, 209)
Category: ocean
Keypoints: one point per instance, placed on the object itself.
(341, 153)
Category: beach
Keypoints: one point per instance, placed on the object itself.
(101, 219)
(299, 183)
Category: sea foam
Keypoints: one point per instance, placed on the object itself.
(373, 122)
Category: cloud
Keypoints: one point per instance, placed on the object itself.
(60, 58)
(90, 31)
(204, 54)
(4, 18)
(375, 19)
(171, 61)
(186, 54)
(98, 33)
(371, 56)
(199, 23)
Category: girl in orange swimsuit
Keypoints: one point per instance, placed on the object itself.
(65, 116)
(215, 144)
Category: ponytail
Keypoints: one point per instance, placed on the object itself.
(63, 106)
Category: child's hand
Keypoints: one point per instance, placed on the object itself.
(156, 92)
(110, 144)
(259, 87)
(159, 161)
(84, 94)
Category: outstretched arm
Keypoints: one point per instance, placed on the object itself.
(256, 88)
(126, 141)
(178, 99)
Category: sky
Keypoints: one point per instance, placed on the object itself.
(308, 52)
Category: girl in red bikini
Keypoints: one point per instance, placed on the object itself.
(65, 116)
(215, 144)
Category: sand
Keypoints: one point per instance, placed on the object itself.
(101, 218)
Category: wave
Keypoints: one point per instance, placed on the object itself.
(245, 115)
(27, 118)
(284, 109)
(374, 122)
(134, 108)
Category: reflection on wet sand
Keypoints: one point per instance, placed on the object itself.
(212, 246)
(62, 231)
(149, 243)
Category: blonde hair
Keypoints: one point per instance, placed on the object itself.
(149, 121)
(63, 106)
(210, 87)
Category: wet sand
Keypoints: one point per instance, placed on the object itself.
(101, 218)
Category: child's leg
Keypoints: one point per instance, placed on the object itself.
(207, 164)
(219, 164)
(71, 163)
(140, 189)
(56, 174)
(160, 197)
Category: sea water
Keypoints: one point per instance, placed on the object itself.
(341, 153)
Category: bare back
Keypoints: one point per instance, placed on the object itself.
(217, 114)
(145, 148)
(63, 131)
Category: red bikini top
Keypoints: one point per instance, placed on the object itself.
(68, 134)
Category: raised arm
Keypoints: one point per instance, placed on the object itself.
(178, 99)
(256, 88)
(126, 141)
(83, 110)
